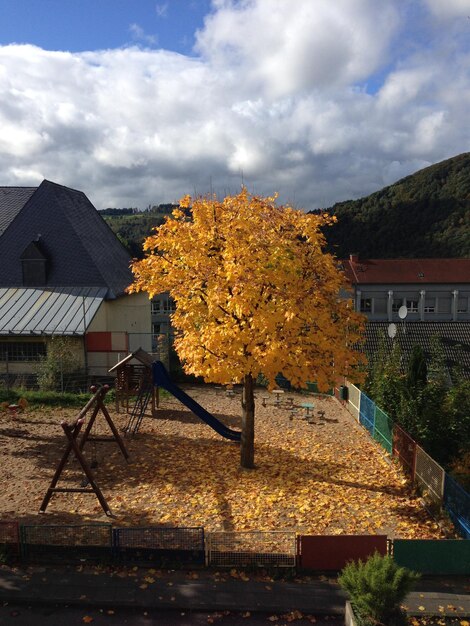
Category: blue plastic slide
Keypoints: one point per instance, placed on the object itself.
(163, 380)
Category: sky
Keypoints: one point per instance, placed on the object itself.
(139, 102)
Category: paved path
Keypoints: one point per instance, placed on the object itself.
(207, 591)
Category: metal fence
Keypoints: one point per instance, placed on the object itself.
(457, 504)
(9, 540)
(332, 552)
(192, 546)
(252, 549)
(367, 413)
(383, 430)
(429, 475)
(160, 546)
(354, 399)
(404, 450)
(65, 544)
(433, 556)
(438, 488)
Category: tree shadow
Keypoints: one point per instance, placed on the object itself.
(204, 469)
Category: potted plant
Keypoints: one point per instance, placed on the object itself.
(376, 589)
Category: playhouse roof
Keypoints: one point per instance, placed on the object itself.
(140, 355)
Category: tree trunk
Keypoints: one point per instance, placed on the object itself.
(247, 449)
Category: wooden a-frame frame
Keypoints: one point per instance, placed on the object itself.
(76, 446)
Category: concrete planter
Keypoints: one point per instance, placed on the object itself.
(349, 617)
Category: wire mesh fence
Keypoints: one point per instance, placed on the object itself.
(9, 540)
(367, 413)
(457, 504)
(404, 449)
(429, 475)
(252, 549)
(168, 547)
(67, 544)
(437, 486)
(354, 400)
(383, 430)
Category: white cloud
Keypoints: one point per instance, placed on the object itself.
(277, 97)
(281, 47)
(139, 34)
(161, 9)
(449, 9)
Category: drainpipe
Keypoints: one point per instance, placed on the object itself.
(389, 306)
(455, 304)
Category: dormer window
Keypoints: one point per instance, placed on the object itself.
(34, 268)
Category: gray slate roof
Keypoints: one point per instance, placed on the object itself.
(454, 338)
(48, 312)
(12, 200)
(81, 249)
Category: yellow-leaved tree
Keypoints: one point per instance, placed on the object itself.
(255, 294)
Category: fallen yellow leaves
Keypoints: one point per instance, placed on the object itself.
(328, 480)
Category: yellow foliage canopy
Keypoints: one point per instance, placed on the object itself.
(254, 291)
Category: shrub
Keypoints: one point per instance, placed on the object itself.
(377, 588)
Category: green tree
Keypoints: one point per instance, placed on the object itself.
(60, 361)
(377, 588)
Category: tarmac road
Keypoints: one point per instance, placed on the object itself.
(20, 615)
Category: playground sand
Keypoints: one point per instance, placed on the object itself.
(322, 476)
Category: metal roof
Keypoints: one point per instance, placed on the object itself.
(407, 271)
(64, 311)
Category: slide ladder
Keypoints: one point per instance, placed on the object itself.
(140, 406)
(162, 379)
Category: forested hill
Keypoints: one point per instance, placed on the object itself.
(423, 215)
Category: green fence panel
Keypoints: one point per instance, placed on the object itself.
(383, 432)
(433, 556)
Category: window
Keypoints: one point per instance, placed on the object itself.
(22, 350)
(172, 305)
(156, 306)
(445, 305)
(462, 306)
(396, 304)
(366, 305)
(430, 305)
(380, 305)
(156, 329)
(412, 306)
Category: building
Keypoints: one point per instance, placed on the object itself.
(412, 301)
(63, 272)
(432, 290)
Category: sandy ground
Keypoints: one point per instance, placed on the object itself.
(320, 477)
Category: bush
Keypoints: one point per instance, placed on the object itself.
(51, 398)
(377, 588)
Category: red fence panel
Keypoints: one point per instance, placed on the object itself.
(332, 552)
(404, 448)
(10, 539)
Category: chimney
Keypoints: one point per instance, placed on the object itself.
(354, 257)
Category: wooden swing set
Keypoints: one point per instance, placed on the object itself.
(76, 444)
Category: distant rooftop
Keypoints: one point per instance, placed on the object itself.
(80, 249)
(406, 271)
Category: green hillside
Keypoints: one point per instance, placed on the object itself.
(423, 215)
(133, 228)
